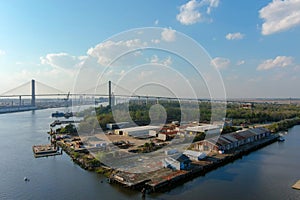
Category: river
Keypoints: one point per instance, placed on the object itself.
(265, 174)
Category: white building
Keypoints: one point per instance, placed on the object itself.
(207, 129)
(194, 155)
(153, 133)
(136, 131)
(178, 162)
(162, 136)
(112, 126)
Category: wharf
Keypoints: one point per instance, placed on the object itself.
(296, 185)
(45, 150)
(165, 178)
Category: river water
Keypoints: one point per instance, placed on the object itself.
(265, 174)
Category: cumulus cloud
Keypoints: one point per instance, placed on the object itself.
(280, 16)
(279, 61)
(220, 63)
(167, 61)
(107, 51)
(61, 60)
(195, 11)
(235, 36)
(168, 35)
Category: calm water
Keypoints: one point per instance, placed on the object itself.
(264, 174)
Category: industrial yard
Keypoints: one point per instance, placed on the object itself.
(134, 157)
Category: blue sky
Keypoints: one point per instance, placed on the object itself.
(253, 43)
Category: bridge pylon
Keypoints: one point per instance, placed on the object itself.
(33, 93)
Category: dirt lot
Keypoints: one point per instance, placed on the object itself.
(114, 138)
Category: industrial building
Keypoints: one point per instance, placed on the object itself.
(231, 140)
(178, 162)
(194, 155)
(138, 131)
(207, 129)
(113, 126)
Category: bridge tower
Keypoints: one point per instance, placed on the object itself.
(33, 92)
(109, 94)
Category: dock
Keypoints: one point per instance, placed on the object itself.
(296, 185)
(45, 150)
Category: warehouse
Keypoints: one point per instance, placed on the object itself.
(207, 129)
(138, 131)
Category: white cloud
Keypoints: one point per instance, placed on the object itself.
(220, 63)
(156, 22)
(2, 52)
(154, 59)
(192, 12)
(168, 35)
(167, 61)
(188, 13)
(279, 61)
(155, 41)
(235, 36)
(60, 60)
(212, 4)
(240, 62)
(280, 15)
(107, 51)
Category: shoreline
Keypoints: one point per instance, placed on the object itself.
(206, 168)
(173, 178)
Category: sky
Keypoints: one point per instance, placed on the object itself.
(253, 44)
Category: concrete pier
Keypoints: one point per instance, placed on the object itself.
(45, 150)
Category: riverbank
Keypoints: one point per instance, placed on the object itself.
(163, 179)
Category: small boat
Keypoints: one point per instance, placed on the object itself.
(281, 139)
(282, 133)
(58, 114)
(68, 115)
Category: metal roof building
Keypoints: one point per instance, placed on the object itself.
(137, 131)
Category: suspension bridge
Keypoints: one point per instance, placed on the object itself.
(36, 95)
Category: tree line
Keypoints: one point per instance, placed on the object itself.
(167, 111)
